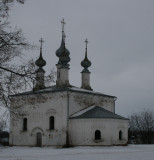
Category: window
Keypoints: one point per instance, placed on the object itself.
(97, 135)
(25, 124)
(51, 122)
(120, 135)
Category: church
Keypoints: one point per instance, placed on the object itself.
(64, 115)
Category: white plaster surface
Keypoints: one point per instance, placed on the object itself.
(38, 108)
(38, 112)
(64, 76)
(82, 131)
(80, 101)
(85, 80)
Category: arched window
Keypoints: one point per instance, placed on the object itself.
(120, 135)
(25, 124)
(51, 122)
(97, 135)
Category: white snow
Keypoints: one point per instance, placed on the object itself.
(81, 89)
(84, 90)
(131, 152)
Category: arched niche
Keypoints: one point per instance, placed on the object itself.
(36, 130)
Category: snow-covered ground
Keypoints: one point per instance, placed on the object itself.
(131, 152)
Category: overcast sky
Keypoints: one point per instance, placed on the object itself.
(121, 44)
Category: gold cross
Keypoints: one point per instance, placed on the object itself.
(86, 41)
(41, 41)
(63, 23)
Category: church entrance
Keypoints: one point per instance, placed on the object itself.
(39, 139)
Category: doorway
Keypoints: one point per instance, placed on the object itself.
(39, 139)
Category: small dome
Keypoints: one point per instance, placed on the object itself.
(85, 63)
(40, 62)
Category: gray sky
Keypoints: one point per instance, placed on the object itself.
(121, 44)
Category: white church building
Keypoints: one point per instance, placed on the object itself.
(64, 115)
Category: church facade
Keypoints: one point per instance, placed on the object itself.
(65, 115)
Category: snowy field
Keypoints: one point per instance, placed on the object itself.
(131, 152)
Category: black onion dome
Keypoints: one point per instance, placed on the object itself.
(40, 62)
(61, 49)
(64, 57)
(85, 63)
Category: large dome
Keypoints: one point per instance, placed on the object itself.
(61, 49)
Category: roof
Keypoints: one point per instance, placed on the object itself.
(60, 89)
(96, 112)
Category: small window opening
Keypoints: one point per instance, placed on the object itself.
(97, 135)
(25, 124)
(120, 135)
(51, 122)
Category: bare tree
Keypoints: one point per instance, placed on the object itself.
(14, 78)
(5, 6)
(142, 124)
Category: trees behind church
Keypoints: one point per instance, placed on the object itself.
(14, 77)
(141, 127)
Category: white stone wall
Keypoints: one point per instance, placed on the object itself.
(37, 111)
(82, 131)
(79, 101)
(38, 108)
(85, 80)
(63, 76)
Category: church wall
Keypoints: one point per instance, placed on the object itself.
(79, 101)
(37, 109)
(82, 131)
